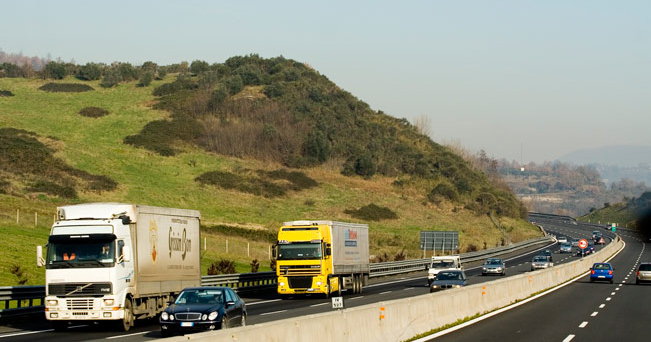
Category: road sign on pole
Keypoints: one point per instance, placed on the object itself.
(337, 302)
(583, 243)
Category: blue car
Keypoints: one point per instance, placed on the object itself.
(601, 271)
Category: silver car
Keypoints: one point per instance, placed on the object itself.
(643, 273)
(540, 262)
(493, 266)
(562, 239)
(566, 247)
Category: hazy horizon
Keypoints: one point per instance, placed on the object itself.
(525, 81)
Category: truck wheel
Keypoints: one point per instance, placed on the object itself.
(360, 283)
(60, 325)
(339, 287)
(327, 293)
(127, 322)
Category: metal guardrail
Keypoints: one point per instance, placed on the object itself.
(21, 300)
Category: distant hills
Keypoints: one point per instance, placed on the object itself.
(619, 155)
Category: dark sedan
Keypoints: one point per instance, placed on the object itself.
(203, 308)
(448, 279)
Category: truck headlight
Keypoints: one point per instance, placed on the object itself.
(212, 316)
(108, 302)
(164, 316)
(319, 283)
(52, 302)
(282, 283)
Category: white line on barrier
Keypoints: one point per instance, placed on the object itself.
(128, 335)
(271, 313)
(582, 325)
(568, 338)
(499, 311)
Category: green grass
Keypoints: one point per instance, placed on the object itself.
(618, 213)
(95, 145)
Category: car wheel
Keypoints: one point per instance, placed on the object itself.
(165, 333)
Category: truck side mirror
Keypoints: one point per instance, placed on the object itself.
(40, 262)
(274, 251)
(126, 254)
(328, 251)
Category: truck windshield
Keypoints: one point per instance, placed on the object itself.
(442, 264)
(298, 251)
(80, 253)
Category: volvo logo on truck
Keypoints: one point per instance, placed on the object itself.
(179, 244)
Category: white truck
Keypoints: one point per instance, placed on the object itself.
(440, 263)
(118, 262)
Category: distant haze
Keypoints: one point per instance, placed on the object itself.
(622, 156)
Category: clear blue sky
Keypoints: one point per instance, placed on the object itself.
(539, 77)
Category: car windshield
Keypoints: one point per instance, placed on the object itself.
(540, 258)
(210, 296)
(449, 276)
(645, 267)
(601, 267)
(493, 262)
(566, 244)
(442, 263)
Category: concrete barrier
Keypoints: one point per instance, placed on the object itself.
(402, 319)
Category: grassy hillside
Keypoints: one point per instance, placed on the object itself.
(87, 151)
(625, 214)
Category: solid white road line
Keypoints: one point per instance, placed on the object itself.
(262, 302)
(26, 333)
(385, 292)
(319, 304)
(134, 334)
(271, 313)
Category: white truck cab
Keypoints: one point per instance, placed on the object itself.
(440, 263)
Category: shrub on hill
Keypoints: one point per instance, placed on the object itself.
(260, 183)
(146, 79)
(111, 78)
(23, 155)
(54, 70)
(11, 70)
(90, 72)
(372, 212)
(6, 93)
(93, 112)
(65, 87)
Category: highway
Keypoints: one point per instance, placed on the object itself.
(580, 311)
(269, 308)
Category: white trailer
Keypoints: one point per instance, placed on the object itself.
(118, 262)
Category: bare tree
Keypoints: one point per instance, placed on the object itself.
(423, 124)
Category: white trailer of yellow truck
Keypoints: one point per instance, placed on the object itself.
(118, 262)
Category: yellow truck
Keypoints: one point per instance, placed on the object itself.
(322, 257)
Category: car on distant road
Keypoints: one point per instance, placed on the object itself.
(595, 233)
(493, 266)
(575, 242)
(562, 239)
(547, 253)
(587, 251)
(566, 247)
(540, 262)
(643, 273)
(203, 308)
(448, 279)
(601, 271)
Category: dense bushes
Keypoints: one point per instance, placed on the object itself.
(25, 157)
(66, 87)
(222, 266)
(261, 183)
(372, 212)
(93, 112)
(6, 93)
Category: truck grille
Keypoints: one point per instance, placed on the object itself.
(79, 304)
(301, 270)
(80, 289)
(188, 316)
(299, 282)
